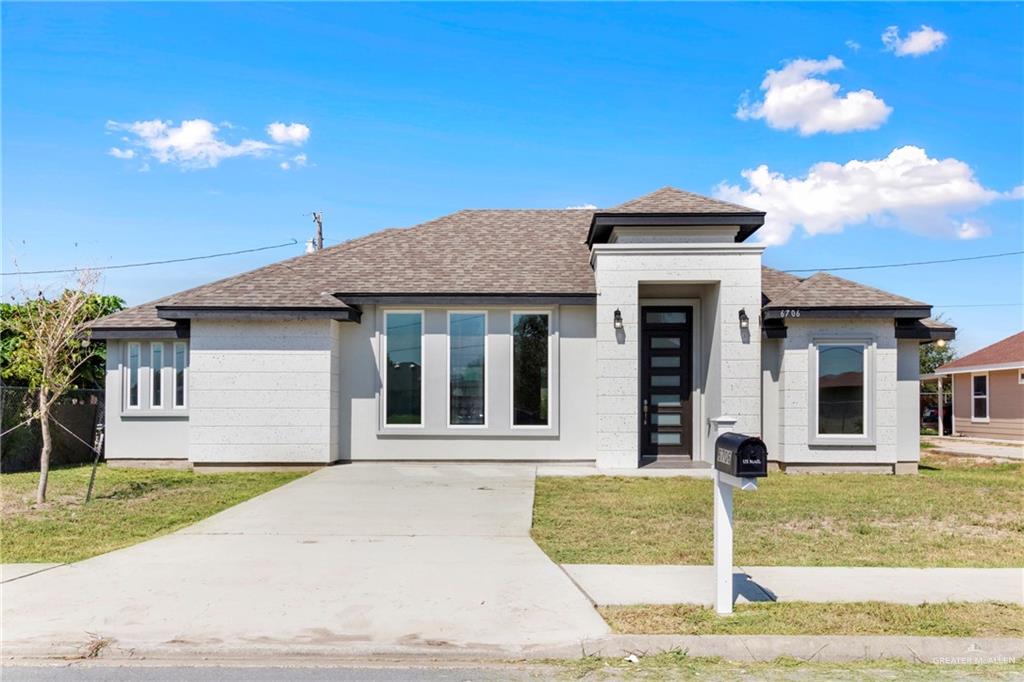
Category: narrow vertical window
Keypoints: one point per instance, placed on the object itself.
(530, 367)
(134, 358)
(841, 389)
(979, 398)
(180, 364)
(403, 342)
(156, 361)
(467, 363)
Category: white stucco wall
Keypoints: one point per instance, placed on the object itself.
(889, 402)
(143, 433)
(731, 274)
(362, 436)
(263, 391)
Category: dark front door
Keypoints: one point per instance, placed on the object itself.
(666, 383)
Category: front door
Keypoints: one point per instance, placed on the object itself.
(666, 383)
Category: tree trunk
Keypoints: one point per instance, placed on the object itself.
(44, 455)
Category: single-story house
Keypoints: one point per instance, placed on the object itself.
(988, 391)
(625, 337)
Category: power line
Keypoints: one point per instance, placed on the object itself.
(154, 262)
(978, 305)
(904, 265)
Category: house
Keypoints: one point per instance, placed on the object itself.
(988, 391)
(624, 337)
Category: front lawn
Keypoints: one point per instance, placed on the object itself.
(128, 506)
(956, 512)
(810, 618)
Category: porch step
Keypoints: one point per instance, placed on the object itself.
(672, 462)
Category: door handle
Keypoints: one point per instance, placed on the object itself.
(645, 412)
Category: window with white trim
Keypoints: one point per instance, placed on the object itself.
(531, 364)
(134, 363)
(403, 375)
(467, 368)
(180, 373)
(1020, 376)
(842, 404)
(156, 365)
(979, 397)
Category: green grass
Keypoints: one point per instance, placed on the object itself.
(677, 665)
(956, 512)
(128, 506)
(809, 618)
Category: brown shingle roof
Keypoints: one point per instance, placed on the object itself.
(774, 283)
(672, 200)
(1009, 350)
(823, 290)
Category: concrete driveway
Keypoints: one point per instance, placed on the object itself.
(354, 559)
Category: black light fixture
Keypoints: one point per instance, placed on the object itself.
(744, 320)
(618, 319)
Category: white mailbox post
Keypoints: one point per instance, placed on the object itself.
(724, 485)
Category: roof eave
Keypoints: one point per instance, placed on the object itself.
(602, 222)
(775, 311)
(346, 314)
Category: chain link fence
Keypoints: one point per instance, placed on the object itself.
(80, 411)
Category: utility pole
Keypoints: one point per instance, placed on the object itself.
(318, 218)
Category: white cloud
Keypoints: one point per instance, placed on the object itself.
(922, 41)
(288, 133)
(300, 159)
(907, 189)
(193, 144)
(121, 153)
(853, 45)
(581, 207)
(284, 165)
(793, 99)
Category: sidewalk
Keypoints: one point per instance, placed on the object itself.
(608, 585)
(974, 447)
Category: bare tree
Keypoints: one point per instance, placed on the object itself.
(53, 346)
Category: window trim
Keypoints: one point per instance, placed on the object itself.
(384, 374)
(1020, 377)
(868, 437)
(448, 366)
(547, 312)
(184, 377)
(155, 373)
(987, 397)
(128, 377)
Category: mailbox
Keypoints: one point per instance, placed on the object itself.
(742, 456)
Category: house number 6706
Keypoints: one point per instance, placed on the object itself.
(790, 313)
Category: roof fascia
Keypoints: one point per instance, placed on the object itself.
(178, 331)
(602, 223)
(467, 299)
(982, 368)
(782, 312)
(257, 312)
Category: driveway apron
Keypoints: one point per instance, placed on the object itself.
(359, 557)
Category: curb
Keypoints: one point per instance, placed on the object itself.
(737, 648)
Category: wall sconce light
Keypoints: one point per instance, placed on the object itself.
(744, 320)
(618, 319)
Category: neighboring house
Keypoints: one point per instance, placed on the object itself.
(988, 391)
(624, 336)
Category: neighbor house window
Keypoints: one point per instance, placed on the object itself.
(979, 397)
(841, 397)
(180, 365)
(403, 343)
(156, 363)
(134, 360)
(530, 368)
(467, 368)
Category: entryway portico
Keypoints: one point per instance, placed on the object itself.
(674, 287)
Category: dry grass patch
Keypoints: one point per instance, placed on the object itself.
(956, 512)
(960, 619)
(128, 506)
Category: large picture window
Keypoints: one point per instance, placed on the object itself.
(530, 367)
(841, 397)
(403, 343)
(134, 361)
(467, 363)
(979, 397)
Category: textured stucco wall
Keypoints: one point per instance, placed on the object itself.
(145, 433)
(263, 391)
(794, 386)
(362, 436)
(732, 380)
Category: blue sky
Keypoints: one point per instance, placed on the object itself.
(413, 111)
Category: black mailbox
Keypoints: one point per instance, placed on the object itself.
(742, 456)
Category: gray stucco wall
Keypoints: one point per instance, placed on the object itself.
(144, 433)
